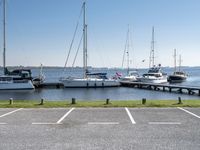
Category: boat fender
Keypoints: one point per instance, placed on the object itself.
(95, 84)
(102, 84)
(87, 84)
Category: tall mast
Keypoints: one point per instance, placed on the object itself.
(174, 60)
(84, 41)
(180, 60)
(151, 59)
(127, 52)
(4, 36)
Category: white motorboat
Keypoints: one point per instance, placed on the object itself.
(132, 76)
(89, 79)
(9, 82)
(154, 74)
(15, 83)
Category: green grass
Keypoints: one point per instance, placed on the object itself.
(100, 103)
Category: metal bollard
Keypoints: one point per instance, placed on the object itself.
(73, 101)
(144, 101)
(107, 101)
(179, 100)
(11, 101)
(42, 102)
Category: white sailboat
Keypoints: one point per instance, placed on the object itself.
(131, 75)
(177, 76)
(11, 82)
(154, 74)
(89, 79)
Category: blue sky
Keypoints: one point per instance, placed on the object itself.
(40, 31)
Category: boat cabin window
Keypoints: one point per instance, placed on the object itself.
(6, 79)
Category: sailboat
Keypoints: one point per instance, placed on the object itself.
(131, 75)
(154, 74)
(89, 79)
(177, 76)
(12, 82)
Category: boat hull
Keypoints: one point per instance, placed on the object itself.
(89, 83)
(152, 80)
(16, 86)
(176, 78)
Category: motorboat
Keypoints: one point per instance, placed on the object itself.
(132, 76)
(26, 74)
(154, 75)
(8, 81)
(177, 76)
(15, 83)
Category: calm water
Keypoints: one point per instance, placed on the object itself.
(119, 93)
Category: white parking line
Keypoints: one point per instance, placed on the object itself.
(130, 116)
(63, 117)
(10, 112)
(189, 112)
(165, 123)
(2, 123)
(103, 123)
(44, 123)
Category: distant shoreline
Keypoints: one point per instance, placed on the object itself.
(89, 67)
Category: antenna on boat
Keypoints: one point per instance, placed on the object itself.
(151, 58)
(4, 36)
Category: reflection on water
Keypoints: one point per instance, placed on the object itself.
(121, 93)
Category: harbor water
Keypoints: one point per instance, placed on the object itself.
(53, 74)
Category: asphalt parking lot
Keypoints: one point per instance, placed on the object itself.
(100, 128)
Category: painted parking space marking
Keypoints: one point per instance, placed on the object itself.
(45, 123)
(2, 123)
(189, 112)
(10, 112)
(130, 116)
(63, 117)
(54, 123)
(103, 123)
(165, 123)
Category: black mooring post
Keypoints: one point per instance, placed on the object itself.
(11, 101)
(73, 101)
(42, 102)
(144, 101)
(179, 100)
(107, 101)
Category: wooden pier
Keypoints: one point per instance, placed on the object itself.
(56, 85)
(191, 90)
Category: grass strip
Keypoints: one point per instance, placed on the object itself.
(100, 103)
